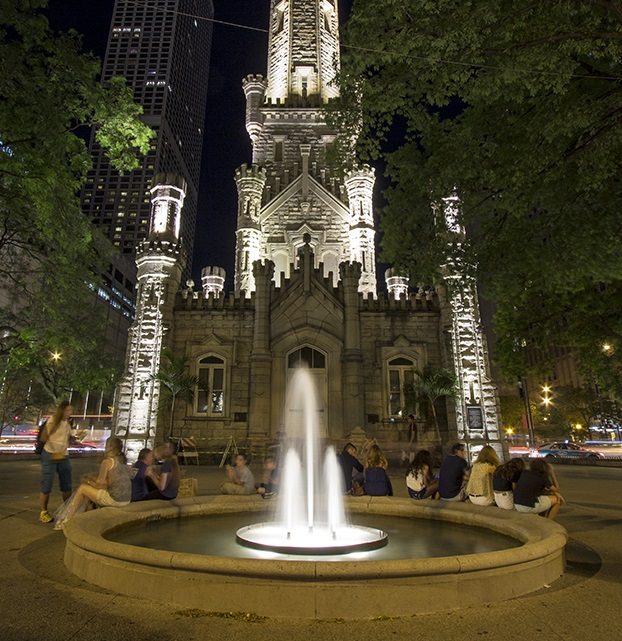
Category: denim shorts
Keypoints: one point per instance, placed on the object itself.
(61, 466)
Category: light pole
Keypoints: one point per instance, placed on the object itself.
(524, 392)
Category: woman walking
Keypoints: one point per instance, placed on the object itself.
(55, 458)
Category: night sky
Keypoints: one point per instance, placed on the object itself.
(235, 53)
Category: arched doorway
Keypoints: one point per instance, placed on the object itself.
(315, 361)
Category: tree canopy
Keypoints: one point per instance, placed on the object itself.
(516, 106)
(51, 256)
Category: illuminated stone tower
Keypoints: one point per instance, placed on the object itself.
(476, 404)
(160, 262)
(289, 190)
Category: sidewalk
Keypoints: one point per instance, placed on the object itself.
(41, 600)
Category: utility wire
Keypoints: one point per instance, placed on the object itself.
(388, 52)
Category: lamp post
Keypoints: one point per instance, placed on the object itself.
(524, 392)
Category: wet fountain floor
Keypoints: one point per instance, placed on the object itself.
(408, 538)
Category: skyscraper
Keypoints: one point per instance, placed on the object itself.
(162, 48)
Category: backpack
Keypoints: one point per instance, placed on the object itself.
(39, 442)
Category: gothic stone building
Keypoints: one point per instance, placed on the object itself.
(305, 282)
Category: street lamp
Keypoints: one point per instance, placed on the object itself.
(56, 356)
(607, 347)
(546, 398)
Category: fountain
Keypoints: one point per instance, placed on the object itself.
(306, 560)
(311, 518)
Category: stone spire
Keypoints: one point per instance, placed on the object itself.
(303, 51)
(160, 262)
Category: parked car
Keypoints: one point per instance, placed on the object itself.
(566, 450)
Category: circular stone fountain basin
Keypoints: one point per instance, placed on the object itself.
(521, 553)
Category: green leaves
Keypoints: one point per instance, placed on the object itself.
(518, 106)
(49, 252)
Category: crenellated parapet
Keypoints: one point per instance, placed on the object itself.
(222, 302)
(423, 301)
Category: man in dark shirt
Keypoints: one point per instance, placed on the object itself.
(349, 463)
(141, 485)
(454, 474)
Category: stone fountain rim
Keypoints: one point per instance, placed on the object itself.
(540, 539)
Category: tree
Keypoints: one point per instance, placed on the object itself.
(431, 384)
(177, 384)
(516, 106)
(51, 257)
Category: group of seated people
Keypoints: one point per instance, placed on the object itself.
(508, 486)
(240, 480)
(488, 482)
(370, 478)
(117, 485)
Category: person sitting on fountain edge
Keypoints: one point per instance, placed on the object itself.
(240, 479)
(454, 475)
(141, 481)
(270, 484)
(377, 481)
(348, 462)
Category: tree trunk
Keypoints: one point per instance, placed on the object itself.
(170, 423)
(436, 427)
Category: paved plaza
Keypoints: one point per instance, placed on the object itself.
(41, 600)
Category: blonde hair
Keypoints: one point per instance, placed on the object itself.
(375, 458)
(488, 455)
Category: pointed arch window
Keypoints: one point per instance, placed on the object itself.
(306, 356)
(210, 391)
(401, 379)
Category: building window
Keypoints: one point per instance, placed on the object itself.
(279, 19)
(306, 357)
(210, 394)
(278, 151)
(401, 379)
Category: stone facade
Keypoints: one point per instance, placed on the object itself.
(356, 337)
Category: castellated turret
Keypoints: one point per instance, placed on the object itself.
(167, 200)
(160, 262)
(254, 89)
(397, 284)
(213, 279)
(250, 181)
(360, 189)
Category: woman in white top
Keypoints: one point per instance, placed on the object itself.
(420, 481)
(55, 458)
(112, 487)
(479, 487)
